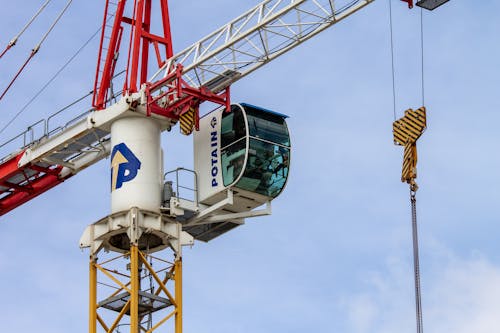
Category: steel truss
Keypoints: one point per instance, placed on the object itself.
(250, 41)
(131, 302)
(141, 39)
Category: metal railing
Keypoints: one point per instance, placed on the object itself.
(178, 187)
(42, 129)
(39, 131)
(28, 137)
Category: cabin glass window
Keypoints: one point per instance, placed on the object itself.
(233, 127)
(267, 126)
(233, 143)
(267, 168)
(232, 160)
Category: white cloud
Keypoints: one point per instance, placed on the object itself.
(466, 298)
(459, 295)
(362, 313)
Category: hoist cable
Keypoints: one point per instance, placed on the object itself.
(416, 263)
(392, 62)
(422, 52)
(39, 92)
(14, 40)
(36, 48)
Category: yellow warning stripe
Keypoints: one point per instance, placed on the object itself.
(404, 133)
(415, 122)
(407, 159)
(409, 163)
(410, 127)
(187, 121)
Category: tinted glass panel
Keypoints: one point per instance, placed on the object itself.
(267, 126)
(267, 168)
(232, 127)
(232, 159)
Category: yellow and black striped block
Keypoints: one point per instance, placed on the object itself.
(410, 127)
(187, 121)
(409, 170)
(406, 132)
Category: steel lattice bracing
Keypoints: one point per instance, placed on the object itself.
(253, 39)
(141, 40)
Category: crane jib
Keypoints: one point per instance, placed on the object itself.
(253, 39)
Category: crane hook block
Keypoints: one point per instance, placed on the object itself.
(406, 132)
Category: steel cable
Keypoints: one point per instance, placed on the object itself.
(416, 263)
(392, 62)
(39, 92)
(422, 52)
(36, 48)
(14, 40)
(53, 25)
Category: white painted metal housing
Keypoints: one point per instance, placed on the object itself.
(241, 162)
(136, 164)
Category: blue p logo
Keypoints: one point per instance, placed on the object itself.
(124, 166)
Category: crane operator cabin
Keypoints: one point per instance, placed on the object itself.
(247, 151)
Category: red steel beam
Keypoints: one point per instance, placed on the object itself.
(34, 189)
(10, 168)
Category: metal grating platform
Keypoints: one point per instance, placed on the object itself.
(79, 145)
(209, 231)
(148, 303)
(19, 184)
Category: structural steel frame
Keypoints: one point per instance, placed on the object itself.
(130, 283)
(253, 39)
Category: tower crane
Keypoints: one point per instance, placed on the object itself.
(203, 71)
(147, 214)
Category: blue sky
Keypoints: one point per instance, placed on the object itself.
(335, 256)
